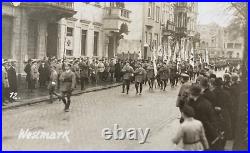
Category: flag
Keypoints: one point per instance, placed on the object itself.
(139, 55)
(155, 67)
(192, 57)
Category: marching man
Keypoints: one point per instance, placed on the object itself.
(140, 76)
(68, 79)
(127, 74)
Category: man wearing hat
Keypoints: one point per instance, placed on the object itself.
(223, 105)
(204, 112)
(112, 69)
(12, 78)
(127, 74)
(164, 74)
(68, 79)
(53, 83)
(5, 81)
(101, 69)
(43, 74)
(140, 76)
(84, 73)
(34, 75)
(27, 70)
(150, 75)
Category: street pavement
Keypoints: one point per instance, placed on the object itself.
(89, 114)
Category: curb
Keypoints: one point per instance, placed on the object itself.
(46, 98)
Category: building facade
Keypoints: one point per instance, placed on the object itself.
(97, 30)
(38, 30)
(233, 46)
(28, 28)
(216, 41)
(145, 31)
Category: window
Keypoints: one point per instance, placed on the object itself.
(150, 37)
(157, 14)
(153, 11)
(69, 31)
(238, 55)
(69, 52)
(230, 45)
(146, 37)
(7, 25)
(96, 36)
(156, 40)
(237, 46)
(150, 10)
(83, 43)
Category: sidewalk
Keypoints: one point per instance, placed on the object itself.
(24, 97)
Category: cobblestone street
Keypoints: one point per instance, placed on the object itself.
(90, 113)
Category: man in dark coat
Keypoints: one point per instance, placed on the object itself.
(235, 91)
(204, 112)
(173, 74)
(43, 74)
(118, 68)
(27, 70)
(84, 69)
(223, 104)
(164, 75)
(12, 77)
(206, 92)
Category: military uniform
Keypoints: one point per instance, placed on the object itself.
(140, 76)
(52, 84)
(164, 74)
(127, 74)
(150, 76)
(68, 79)
(84, 74)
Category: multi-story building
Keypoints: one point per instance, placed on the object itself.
(95, 30)
(30, 30)
(185, 19)
(217, 42)
(144, 30)
(211, 39)
(233, 46)
(37, 30)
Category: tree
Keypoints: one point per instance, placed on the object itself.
(241, 19)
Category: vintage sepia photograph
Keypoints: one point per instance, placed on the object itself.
(87, 76)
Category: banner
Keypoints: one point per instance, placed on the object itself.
(69, 43)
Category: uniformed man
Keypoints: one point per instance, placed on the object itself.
(68, 79)
(53, 83)
(140, 76)
(127, 74)
(84, 73)
(164, 74)
(150, 75)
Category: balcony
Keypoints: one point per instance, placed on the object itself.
(182, 31)
(56, 10)
(169, 29)
(114, 17)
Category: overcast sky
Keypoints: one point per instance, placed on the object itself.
(214, 12)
